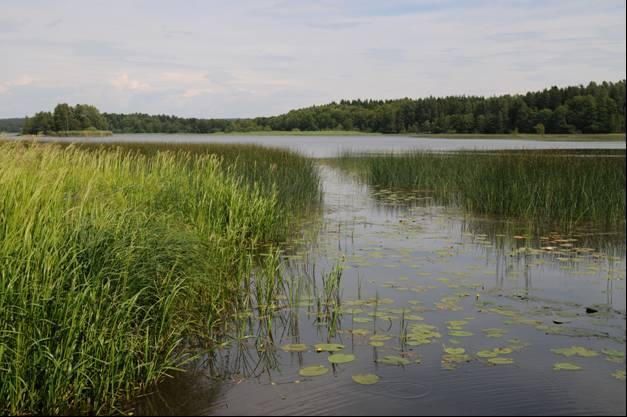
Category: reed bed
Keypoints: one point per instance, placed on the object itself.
(114, 262)
(565, 188)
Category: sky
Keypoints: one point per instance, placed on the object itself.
(241, 58)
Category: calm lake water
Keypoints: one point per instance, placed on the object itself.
(445, 292)
(329, 146)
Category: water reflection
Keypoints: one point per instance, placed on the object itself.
(433, 302)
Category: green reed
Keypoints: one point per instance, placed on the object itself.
(114, 262)
(568, 188)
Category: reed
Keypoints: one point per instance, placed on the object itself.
(568, 188)
(114, 263)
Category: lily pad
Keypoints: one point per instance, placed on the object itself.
(361, 332)
(328, 347)
(375, 343)
(316, 370)
(380, 337)
(341, 358)
(362, 319)
(459, 333)
(366, 379)
(455, 351)
(620, 375)
(566, 366)
(294, 347)
(501, 361)
(613, 353)
(576, 351)
(394, 360)
(487, 354)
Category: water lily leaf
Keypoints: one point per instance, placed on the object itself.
(487, 354)
(576, 351)
(316, 370)
(455, 351)
(380, 337)
(366, 379)
(613, 353)
(503, 351)
(413, 317)
(341, 358)
(361, 332)
(459, 333)
(294, 347)
(494, 332)
(566, 366)
(620, 375)
(328, 347)
(394, 360)
(501, 361)
(375, 343)
(454, 359)
(362, 319)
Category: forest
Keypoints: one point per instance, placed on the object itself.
(595, 108)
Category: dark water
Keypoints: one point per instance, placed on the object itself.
(405, 259)
(330, 146)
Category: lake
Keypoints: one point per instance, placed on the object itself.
(454, 314)
(329, 146)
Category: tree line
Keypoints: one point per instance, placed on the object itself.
(595, 108)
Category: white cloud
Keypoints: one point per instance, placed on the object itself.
(244, 58)
(21, 81)
(124, 82)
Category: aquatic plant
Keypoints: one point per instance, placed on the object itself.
(116, 264)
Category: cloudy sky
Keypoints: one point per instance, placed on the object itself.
(241, 58)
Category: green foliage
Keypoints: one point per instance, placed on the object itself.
(595, 108)
(112, 259)
(545, 186)
(65, 118)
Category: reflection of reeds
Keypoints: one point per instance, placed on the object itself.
(544, 186)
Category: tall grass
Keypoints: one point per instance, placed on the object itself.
(112, 261)
(565, 188)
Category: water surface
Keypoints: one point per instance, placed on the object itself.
(330, 146)
(408, 262)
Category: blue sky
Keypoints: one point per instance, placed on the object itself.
(262, 57)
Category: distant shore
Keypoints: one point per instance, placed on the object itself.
(574, 137)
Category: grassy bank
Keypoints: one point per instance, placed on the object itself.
(115, 259)
(566, 188)
(601, 137)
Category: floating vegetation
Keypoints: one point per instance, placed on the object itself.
(455, 351)
(315, 370)
(487, 354)
(576, 351)
(460, 333)
(362, 320)
(328, 347)
(338, 358)
(619, 374)
(494, 332)
(394, 360)
(380, 337)
(501, 361)
(366, 379)
(566, 366)
(294, 347)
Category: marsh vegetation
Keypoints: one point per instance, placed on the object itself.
(153, 278)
